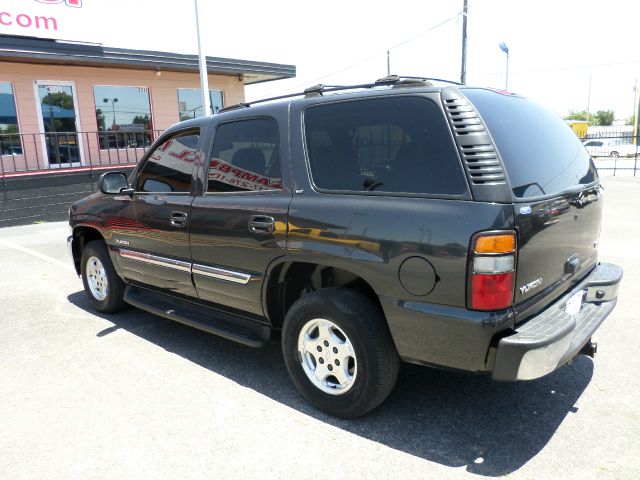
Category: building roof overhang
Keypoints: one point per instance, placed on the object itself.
(44, 51)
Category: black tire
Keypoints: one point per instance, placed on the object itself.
(364, 325)
(114, 288)
(614, 154)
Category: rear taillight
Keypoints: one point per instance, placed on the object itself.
(492, 270)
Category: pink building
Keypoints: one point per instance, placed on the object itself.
(74, 106)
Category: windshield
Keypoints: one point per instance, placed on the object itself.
(540, 152)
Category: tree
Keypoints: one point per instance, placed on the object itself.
(600, 118)
(60, 99)
(578, 115)
(604, 117)
(142, 120)
(100, 119)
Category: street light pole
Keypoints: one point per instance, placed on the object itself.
(113, 105)
(505, 49)
(202, 61)
(463, 68)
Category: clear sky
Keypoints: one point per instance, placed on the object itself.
(556, 46)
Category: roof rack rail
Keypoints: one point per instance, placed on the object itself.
(320, 89)
(398, 79)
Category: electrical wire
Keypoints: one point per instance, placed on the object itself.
(368, 59)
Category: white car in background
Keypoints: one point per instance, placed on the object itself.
(609, 148)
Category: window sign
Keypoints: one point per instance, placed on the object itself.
(190, 102)
(10, 143)
(124, 116)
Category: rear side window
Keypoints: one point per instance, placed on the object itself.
(541, 154)
(396, 145)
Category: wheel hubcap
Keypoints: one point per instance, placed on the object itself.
(327, 356)
(97, 279)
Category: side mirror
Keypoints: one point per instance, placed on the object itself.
(114, 183)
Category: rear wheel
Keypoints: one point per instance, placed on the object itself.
(614, 154)
(339, 352)
(103, 286)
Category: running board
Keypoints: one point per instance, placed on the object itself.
(237, 328)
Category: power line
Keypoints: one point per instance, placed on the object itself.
(368, 59)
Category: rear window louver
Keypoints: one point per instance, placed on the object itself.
(476, 148)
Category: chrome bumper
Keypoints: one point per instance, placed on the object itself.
(554, 337)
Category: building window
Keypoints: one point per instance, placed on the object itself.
(124, 116)
(10, 143)
(190, 102)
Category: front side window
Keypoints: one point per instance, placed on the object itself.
(124, 116)
(190, 102)
(245, 157)
(10, 143)
(169, 167)
(396, 145)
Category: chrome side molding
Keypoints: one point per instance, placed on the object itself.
(221, 273)
(155, 260)
(195, 268)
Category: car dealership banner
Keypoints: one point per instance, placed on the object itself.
(57, 19)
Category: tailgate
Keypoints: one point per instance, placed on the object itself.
(557, 241)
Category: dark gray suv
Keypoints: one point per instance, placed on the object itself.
(443, 225)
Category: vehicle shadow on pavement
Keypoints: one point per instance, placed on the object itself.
(455, 419)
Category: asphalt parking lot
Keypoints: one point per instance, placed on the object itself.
(135, 396)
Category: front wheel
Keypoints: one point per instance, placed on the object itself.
(339, 352)
(614, 154)
(103, 286)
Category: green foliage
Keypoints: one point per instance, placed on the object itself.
(60, 99)
(604, 117)
(578, 115)
(600, 118)
(142, 120)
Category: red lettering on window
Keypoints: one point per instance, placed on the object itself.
(185, 155)
(165, 145)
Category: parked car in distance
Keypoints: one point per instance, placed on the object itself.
(609, 148)
(402, 220)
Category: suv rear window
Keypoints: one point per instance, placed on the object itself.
(399, 145)
(541, 154)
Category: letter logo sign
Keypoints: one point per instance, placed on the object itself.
(51, 19)
(69, 3)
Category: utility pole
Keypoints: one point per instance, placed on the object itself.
(589, 101)
(463, 68)
(635, 113)
(204, 78)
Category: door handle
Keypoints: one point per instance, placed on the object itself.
(178, 219)
(261, 224)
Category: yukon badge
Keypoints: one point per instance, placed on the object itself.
(122, 242)
(530, 286)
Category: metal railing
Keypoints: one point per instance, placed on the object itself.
(614, 151)
(50, 152)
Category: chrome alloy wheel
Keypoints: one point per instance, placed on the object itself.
(97, 279)
(327, 356)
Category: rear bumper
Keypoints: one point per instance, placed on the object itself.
(553, 337)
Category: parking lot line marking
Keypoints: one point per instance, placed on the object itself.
(34, 253)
